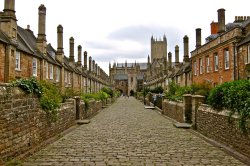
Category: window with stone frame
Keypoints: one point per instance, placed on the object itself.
(65, 76)
(18, 61)
(69, 78)
(34, 67)
(47, 70)
(226, 59)
(207, 64)
(201, 65)
(195, 68)
(57, 74)
(51, 72)
(216, 62)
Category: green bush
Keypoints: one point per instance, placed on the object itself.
(50, 100)
(175, 92)
(234, 96)
(158, 89)
(109, 91)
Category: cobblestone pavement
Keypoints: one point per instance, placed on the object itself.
(127, 134)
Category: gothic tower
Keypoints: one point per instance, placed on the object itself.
(158, 49)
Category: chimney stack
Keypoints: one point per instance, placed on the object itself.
(9, 8)
(71, 50)
(79, 62)
(41, 39)
(169, 61)
(93, 66)
(85, 59)
(59, 52)
(176, 55)
(60, 39)
(221, 20)
(186, 49)
(198, 37)
(42, 23)
(214, 28)
(90, 64)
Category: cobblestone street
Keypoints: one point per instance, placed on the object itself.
(127, 134)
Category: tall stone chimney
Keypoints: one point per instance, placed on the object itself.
(85, 59)
(93, 66)
(79, 62)
(186, 49)
(221, 20)
(198, 37)
(59, 52)
(176, 55)
(71, 50)
(8, 23)
(90, 64)
(41, 39)
(169, 61)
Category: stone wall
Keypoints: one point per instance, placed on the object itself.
(174, 110)
(215, 125)
(24, 125)
(211, 123)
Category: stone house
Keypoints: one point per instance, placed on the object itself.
(224, 56)
(23, 55)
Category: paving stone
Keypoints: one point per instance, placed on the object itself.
(126, 133)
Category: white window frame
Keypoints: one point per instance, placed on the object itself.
(195, 68)
(226, 59)
(51, 72)
(216, 62)
(207, 64)
(201, 65)
(34, 67)
(18, 61)
(248, 54)
(57, 74)
(47, 70)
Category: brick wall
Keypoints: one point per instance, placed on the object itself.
(215, 125)
(174, 110)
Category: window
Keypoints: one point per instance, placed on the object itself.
(18, 60)
(47, 70)
(248, 54)
(216, 62)
(34, 67)
(66, 77)
(207, 64)
(51, 71)
(226, 58)
(69, 78)
(201, 65)
(195, 69)
(57, 74)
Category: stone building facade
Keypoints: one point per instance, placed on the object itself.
(23, 55)
(225, 55)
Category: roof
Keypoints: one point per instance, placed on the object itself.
(130, 65)
(51, 55)
(140, 77)
(120, 77)
(245, 40)
(3, 37)
(27, 42)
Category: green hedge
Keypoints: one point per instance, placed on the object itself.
(234, 96)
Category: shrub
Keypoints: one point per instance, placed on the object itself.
(158, 89)
(175, 92)
(234, 96)
(108, 90)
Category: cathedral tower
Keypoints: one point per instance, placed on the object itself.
(158, 49)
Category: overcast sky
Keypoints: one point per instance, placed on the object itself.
(119, 30)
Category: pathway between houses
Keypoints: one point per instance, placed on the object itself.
(127, 134)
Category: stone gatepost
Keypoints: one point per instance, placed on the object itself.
(187, 102)
(77, 107)
(197, 100)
